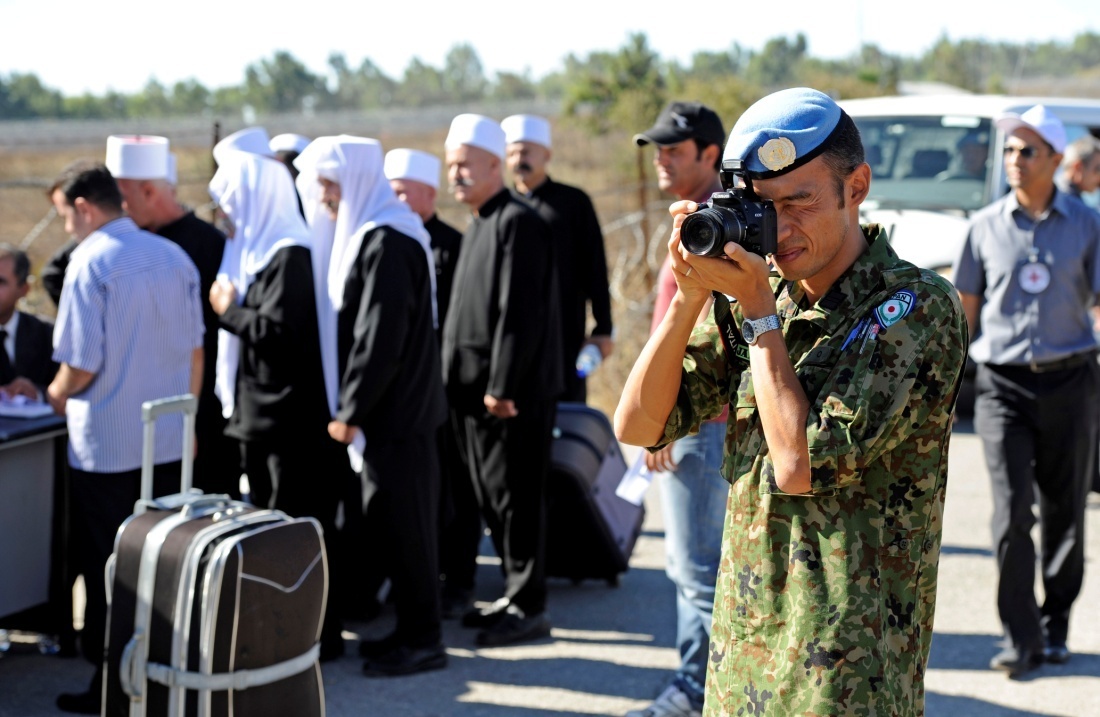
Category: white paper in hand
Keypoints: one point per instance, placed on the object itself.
(355, 451)
(635, 481)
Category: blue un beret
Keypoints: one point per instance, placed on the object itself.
(783, 131)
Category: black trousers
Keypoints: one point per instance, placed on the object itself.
(302, 478)
(460, 516)
(1039, 432)
(218, 457)
(403, 495)
(101, 502)
(509, 461)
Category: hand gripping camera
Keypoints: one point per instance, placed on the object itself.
(736, 215)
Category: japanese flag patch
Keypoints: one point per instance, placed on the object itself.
(895, 308)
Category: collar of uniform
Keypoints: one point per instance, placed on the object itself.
(1058, 203)
(494, 203)
(860, 279)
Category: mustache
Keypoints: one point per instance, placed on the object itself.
(523, 167)
(461, 182)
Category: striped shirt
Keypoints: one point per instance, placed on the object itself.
(130, 314)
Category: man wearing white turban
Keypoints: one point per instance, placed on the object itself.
(382, 371)
(268, 372)
(502, 367)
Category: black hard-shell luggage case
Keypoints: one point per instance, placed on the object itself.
(590, 531)
(215, 606)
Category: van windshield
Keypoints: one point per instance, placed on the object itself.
(938, 163)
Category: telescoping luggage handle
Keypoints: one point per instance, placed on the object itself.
(150, 411)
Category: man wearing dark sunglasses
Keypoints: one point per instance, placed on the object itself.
(1028, 276)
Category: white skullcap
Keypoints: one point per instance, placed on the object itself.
(412, 164)
(172, 176)
(476, 131)
(253, 140)
(288, 142)
(526, 128)
(137, 156)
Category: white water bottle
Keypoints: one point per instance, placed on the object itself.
(588, 360)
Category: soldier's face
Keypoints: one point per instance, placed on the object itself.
(813, 220)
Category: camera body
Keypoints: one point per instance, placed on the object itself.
(735, 215)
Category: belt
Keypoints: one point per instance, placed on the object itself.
(1062, 364)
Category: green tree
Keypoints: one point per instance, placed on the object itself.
(422, 85)
(511, 86)
(23, 96)
(282, 84)
(596, 86)
(190, 97)
(152, 101)
(463, 77)
(778, 62)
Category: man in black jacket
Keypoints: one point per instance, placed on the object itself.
(502, 368)
(577, 241)
(387, 403)
(26, 342)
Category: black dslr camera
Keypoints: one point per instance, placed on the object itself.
(736, 215)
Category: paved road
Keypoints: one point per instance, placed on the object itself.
(611, 648)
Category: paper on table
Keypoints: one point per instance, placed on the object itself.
(635, 481)
(23, 407)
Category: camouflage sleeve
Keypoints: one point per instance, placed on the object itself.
(704, 384)
(899, 382)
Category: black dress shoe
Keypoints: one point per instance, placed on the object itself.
(81, 703)
(1056, 653)
(406, 661)
(514, 627)
(376, 648)
(486, 617)
(1016, 662)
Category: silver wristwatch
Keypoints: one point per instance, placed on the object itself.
(751, 329)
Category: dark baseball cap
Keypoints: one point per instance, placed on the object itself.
(681, 121)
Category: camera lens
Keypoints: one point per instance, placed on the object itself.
(706, 231)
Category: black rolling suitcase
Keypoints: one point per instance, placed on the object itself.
(215, 606)
(590, 531)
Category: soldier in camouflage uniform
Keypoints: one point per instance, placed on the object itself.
(836, 446)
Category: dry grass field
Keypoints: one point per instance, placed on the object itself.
(607, 167)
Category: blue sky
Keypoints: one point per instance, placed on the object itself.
(120, 44)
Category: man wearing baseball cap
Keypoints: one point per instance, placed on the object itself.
(501, 365)
(841, 369)
(1028, 275)
(688, 138)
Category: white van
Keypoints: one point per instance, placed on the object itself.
(937, 158)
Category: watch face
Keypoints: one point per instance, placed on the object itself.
(748, 332)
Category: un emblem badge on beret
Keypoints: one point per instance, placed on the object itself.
(777, 153)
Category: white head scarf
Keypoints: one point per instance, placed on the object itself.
(257, 195)
(366, 202)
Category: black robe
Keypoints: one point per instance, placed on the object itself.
(217, 462)
(446, 246)
(390, 380)
(582, 270)
(279, 387)
(502, 336)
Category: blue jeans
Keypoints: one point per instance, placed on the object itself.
(693, 499)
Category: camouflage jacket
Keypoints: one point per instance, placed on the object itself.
(824, 601)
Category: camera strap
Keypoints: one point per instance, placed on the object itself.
(737, 349)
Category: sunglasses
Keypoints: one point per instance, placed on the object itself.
(1027, 151)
